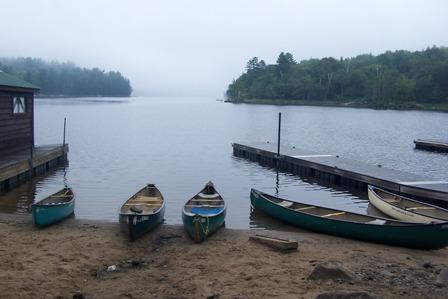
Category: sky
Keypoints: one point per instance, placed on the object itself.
(196, 48)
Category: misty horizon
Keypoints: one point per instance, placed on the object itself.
(196, 48)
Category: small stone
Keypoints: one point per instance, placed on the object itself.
(427, 265)
(442, 278)
(329, 272)
(78, 295)
(112, 268)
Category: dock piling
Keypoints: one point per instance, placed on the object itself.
(279, 129)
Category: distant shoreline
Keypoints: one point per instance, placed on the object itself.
(351, 104)
(49, 96)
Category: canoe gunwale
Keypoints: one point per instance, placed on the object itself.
(154, 212)
(41, 203)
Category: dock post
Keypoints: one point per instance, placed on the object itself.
(279, 128)
(63, 142)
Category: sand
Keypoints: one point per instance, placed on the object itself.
(71, 258)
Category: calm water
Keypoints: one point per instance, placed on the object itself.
(118, 145)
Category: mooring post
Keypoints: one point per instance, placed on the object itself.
(279, 127)
(63, 142)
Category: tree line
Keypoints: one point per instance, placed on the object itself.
(67, 79)
(392, 79)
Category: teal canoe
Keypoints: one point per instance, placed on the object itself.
(142, 212)
(204, 214)
(53, 208)
(352, 225)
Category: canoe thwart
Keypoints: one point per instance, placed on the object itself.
(275, 243)
(333, 214)
(305, 208)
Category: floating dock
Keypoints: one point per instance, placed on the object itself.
(332, 169)
(18, 168)
(432, 145)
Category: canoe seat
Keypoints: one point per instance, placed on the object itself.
(203, 206)
(392, 200)
(305, 208)
(420, 208)
(143, 204)
(208, 195)
(200, 199)
(285, 204)
(333, 214)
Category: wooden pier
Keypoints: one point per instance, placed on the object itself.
(18, 168)
(331, 169)
(432, 145)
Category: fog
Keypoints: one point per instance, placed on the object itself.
(198, 47)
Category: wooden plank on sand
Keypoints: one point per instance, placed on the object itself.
(276, 243)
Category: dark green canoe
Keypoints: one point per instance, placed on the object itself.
(142, 212)
(204, 214)
(53, 208)
(352, 225)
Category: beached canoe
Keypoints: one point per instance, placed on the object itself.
(405, 209)
(53, 208)
(142, 212)
(352, 225)
(204, 214)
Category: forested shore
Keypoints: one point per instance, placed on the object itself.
(397, 80)
(66, 79)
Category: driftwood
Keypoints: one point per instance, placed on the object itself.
(276, 243)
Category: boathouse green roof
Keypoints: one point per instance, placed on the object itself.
(12, 81)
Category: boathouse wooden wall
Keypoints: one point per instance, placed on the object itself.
(16, 130)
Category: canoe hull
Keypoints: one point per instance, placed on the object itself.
(137, 225)
(200, 227)
(397, 212)
(44, 215)
(422, 236)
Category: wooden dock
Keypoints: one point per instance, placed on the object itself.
(432, 145)
(18, 168)
(332, 169)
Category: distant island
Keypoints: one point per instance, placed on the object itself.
(67, 79)
(392, 80)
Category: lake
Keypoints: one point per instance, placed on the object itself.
(118, 145)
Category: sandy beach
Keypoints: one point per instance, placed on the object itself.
(90, 259)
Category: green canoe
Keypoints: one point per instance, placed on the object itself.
(352, 225)
(53, 208)
(142, 212)
(204, 214)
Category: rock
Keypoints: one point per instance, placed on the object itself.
(112, 268)
(427, 265)
(387, 274)
(442, 278)
(345, 295)
(78, 295)
(329, 272)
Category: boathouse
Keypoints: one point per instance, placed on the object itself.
(20, 159)
(16, 114)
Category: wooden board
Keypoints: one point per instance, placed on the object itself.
(276, 243)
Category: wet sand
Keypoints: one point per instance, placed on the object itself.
(71, 258)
